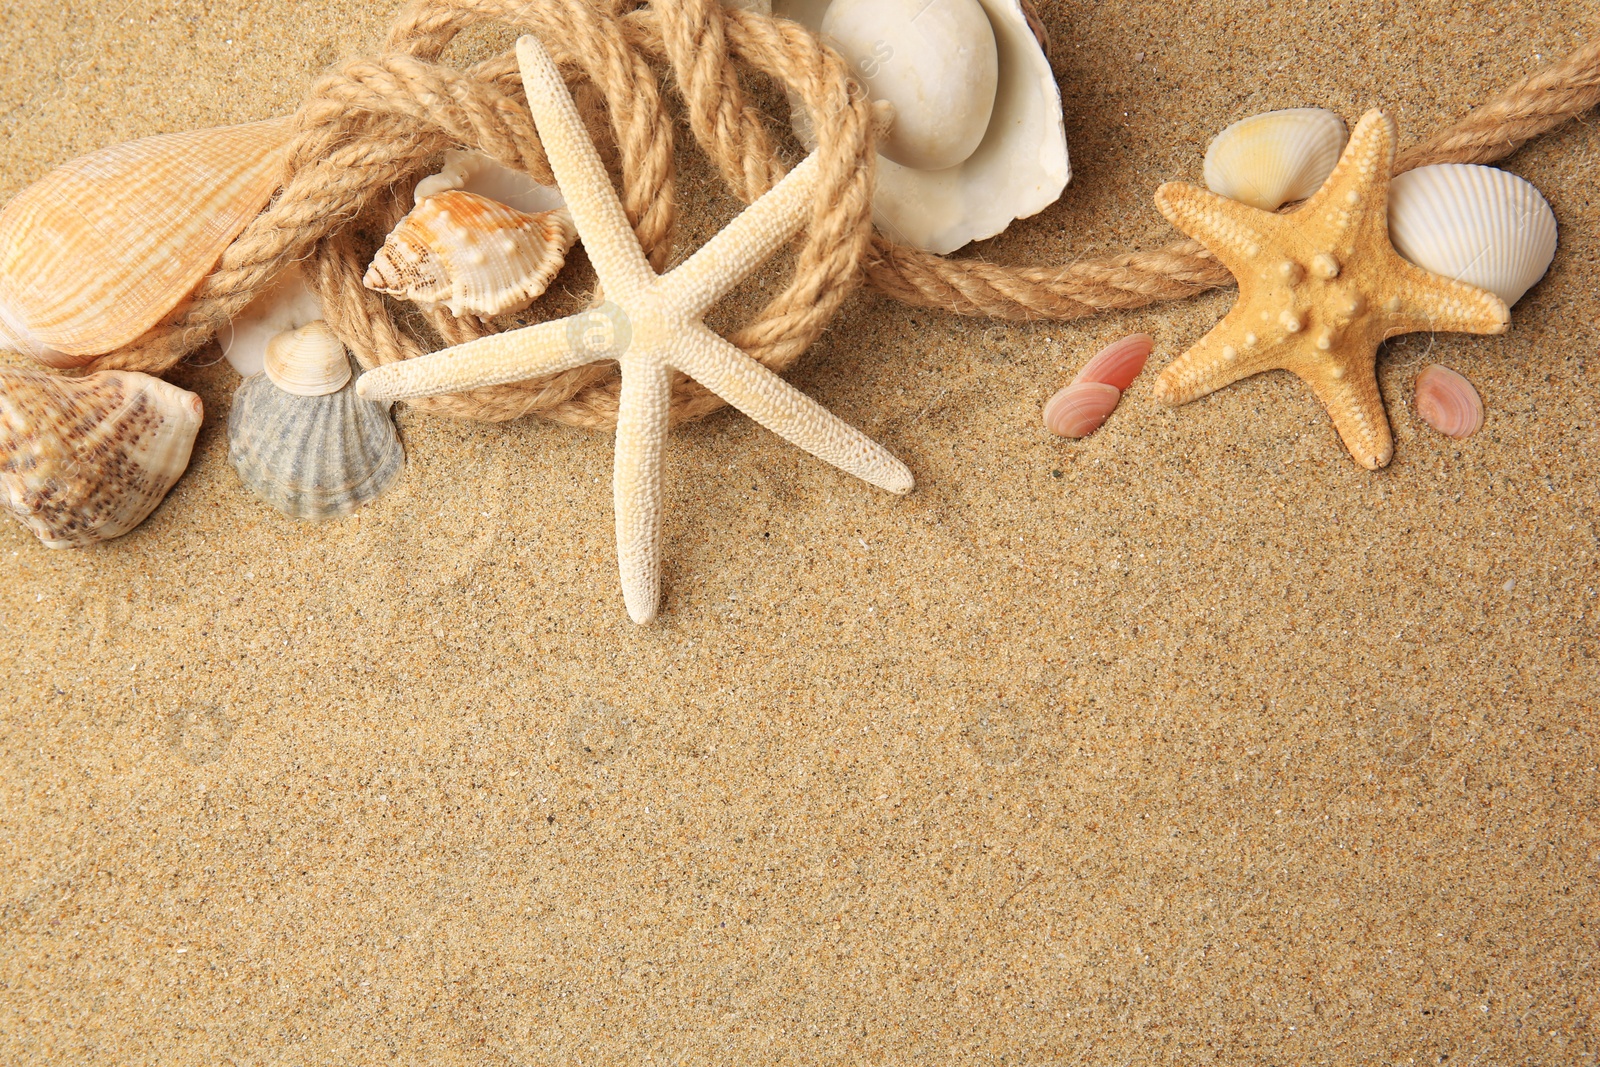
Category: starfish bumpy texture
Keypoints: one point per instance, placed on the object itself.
(1319, 290)
(651, 325)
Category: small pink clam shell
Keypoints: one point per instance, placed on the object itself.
(1080, 408)
(1448, 402)
(1119, 363)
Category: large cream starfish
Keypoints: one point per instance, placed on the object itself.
(650, 325)
(1319, 290)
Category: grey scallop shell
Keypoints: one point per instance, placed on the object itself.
(312, 457)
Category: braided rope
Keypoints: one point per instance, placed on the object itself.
(371, 126)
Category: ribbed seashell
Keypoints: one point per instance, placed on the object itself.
(312, 457)
(1480, 225)
(103, 248)
(1270, 159)
(310, 361)
(1119, 363)
(86, 459)
(1080, 408)
(1448, 402)
(471, 254)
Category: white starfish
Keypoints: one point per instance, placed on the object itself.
(651, 325)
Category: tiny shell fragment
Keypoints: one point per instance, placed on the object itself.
(1448, 402)
(1080, 408)
(1119, 363)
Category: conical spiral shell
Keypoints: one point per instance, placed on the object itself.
(310, 361)
(1480, 225)
(101, 249)
(1448, 402)
(87, 459)
(1270, 159)
(312, 457)
(472, 254)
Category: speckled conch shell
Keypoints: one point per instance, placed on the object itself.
(1479, 225)
(1448, 402)
(913, 52)
(311, 455)
(101, 249)
(1270, 159)
(472, 254)
(86, 459)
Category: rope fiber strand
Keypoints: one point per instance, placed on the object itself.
(369, 129)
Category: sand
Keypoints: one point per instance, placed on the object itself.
(1189, 742)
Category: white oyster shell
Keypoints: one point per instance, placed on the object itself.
(312, 457)
(1018, 169)
(1480, 225)
(1270, 159)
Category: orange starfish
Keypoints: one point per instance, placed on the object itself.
(1319, 290)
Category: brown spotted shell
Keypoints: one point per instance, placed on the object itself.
(86, 459)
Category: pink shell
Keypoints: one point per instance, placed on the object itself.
(1448, 402)
(1119, 363)
(1080, 408)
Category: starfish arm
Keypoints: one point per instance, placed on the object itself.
(1356, 407)
(1218, 359)
(585, 185)
(636, 484)
(531, 352)
(744, 244)
(786, 411)
(1343, 205)
(1235, 233)
(1432, 303)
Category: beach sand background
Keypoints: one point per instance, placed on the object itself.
(1188, 742)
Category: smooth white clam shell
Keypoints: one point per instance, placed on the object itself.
(1018, 170)
(287, 304)
(1270, 159)
(310, 361)
(1480, 225)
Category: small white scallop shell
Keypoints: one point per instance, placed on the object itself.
(312, 457)
(471, 254)
(1480, 225)
(1448, 402)
(87, 459)
(310, 361)
(287, 304)
(1270, 159)
(102, 248)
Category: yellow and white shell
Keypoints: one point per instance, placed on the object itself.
(1267, 160)
(312, 456)
(86, 459)
(103, 248)
(1480, 225)
(472, 254)
(310, 361)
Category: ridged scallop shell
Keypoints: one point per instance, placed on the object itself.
(312, 457)
(1080, 408)
(1448, 402)
(1480, 225)
(103, 248)
(310, 361)
(1270, 159)
(1119, 363)
(471, 254)
(87, 459)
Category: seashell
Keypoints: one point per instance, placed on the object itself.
(312, 456)
(310, 361)
(1119, 363)
(1270, 159)
(1448, 402)
(103, 248)
(472, 254)
(474, 172)
(934, 60)
(1479, 225)
(1080, 408)
(1018, 167)
(287, 304)
(86, 459)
